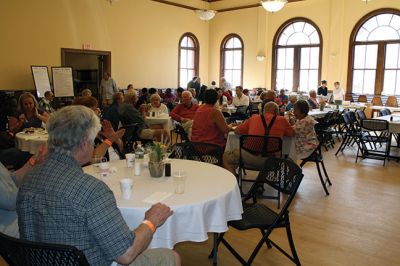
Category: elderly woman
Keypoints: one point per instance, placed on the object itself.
(312, 101)
(29, 114)
(107, 136)
(305, 139)
(208, 123)
(156, 106)
(292, 101)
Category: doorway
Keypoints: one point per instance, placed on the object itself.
(88, 67)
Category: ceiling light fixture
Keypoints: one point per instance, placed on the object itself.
(273, 5)
(205, 15)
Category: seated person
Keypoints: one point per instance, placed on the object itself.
(130, 88)
(292, 101)
(306, 140)
(184, 112)
(45, 102)
(107, 136)
(61, 204)
(222, 100)
(240, 99)
(323, 90)
(86, 93)
(266, 97)
(208, 123)
(179, 92)
(169, 97)
(283, 97)
(111, 113)
(9, 183)
(156, 106)
(144, 95)
(312, 101)
(194, 95)
(29, 114)
(228, 95)
(129, 115)
(275, 125)
(151, 92)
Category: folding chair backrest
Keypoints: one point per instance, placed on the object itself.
(198, 151)
(361, 115)
(375, 124)
(384, 112)
(265, 146)
(17, 252)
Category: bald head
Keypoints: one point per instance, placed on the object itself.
(187, 98)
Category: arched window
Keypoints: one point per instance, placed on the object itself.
(297, 56)
(375, 54)
(232, 59)
(188, 59)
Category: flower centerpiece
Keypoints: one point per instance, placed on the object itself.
(156, 164)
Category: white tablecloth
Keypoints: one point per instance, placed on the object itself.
(288, 145)
(31, 142)
(394, 126)
(211, 199)
(165, 121)
(316, 113)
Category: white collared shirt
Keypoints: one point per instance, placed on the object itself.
(242, 101)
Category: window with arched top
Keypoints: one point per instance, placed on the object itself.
(297, 56)
(232, 59)
(375, 54)
(188, 59)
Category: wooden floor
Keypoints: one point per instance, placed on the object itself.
(358, 224)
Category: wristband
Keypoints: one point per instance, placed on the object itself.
(150, 225)
(108, 142)
(32, 161)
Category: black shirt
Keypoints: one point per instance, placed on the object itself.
(322, 91)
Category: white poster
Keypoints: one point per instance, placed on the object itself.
(41, 79)
(63, 81)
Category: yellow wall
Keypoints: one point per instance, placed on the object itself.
(335, 18)
(142, 36)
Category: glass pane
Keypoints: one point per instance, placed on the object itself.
(228, 74)
(313, 79)
(314, 58)
(314, 38)
(237, 43)
(362, 35)
(190, 43)
(371, 58)
(389, 83)
(392, 56)
(303, 86)
(280, 78)
(358, 81)
(288, 82)
(183, 63)
(289, 58)
(305, 58)
(281, 58)
(298, 38)
(229, 43)
(369, 82)
(190, 56)
(184, 42)
(308, 29)
(397, 92)
(228, 59)
(289, 30)
(359, 56)
(183, 78)
(383, 33)
(283, 39)
(384, 19)
(236, 77)
(395, 23)
(298, 26)
(237, 59)
(190, 75)
(370, 25)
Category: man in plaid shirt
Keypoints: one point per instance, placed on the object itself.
(61, 204)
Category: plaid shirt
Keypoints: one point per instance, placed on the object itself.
(46, 106)
(60, 204)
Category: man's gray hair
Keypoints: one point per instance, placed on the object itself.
(271, 107)
(69, 126)
(155, 95)
(129, 96)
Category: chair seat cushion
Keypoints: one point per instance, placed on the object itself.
(255, 216)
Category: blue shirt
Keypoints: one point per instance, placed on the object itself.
(8, 196)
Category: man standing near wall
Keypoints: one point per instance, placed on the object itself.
(107, 89)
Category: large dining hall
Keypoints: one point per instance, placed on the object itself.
(199, 132)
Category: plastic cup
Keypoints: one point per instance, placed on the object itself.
(179, 179)
(126, 188)
(130, 159)
(96, 162)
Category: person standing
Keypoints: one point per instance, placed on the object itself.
(107, 88)
(323, 90)
(45, 102)
(338, 92)
(225, 85)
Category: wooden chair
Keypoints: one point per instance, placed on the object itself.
(377, 100)
(362, 99)
(392, 101)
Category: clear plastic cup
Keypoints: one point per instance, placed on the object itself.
(179, 180)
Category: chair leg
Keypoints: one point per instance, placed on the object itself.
(217, 241)
(291, 243)
(322, 180)
(267, 242)
(326, 174)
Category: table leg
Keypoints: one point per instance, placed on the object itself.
(215, 249)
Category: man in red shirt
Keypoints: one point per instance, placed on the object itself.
(254, 126)
(184, 112)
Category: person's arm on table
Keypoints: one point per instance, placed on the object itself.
(219, 120)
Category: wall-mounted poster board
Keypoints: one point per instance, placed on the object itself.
(41, 79)
(62, 81)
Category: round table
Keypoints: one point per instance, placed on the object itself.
(164, 120)
(211, 199)
(31, 142)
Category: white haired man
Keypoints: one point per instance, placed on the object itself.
(63, 205)
(184, 112)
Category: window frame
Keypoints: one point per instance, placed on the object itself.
(196, 50)
(297, 52)
(223, 49)
(380, 68)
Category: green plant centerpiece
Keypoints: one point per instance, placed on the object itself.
(156, 163)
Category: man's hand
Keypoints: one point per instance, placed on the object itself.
(158, 214)
(109, 133)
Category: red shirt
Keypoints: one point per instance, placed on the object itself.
(254, 126)
(181, 111)
(228, 96)
(204, 129)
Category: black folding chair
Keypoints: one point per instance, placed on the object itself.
(384, 112)
(351, 132)
(198, 151)
(18, 252)
(285, 176)
(181, 133)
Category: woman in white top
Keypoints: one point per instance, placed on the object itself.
(338, 92)
(156, 106)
